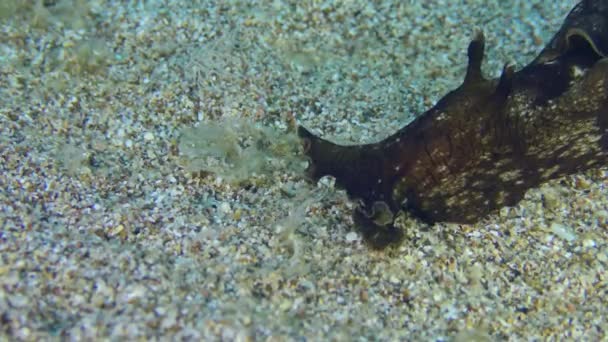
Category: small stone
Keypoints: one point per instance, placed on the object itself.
(352, 237)
(550, 198)
(23, 333)
(225, 207)
(326, 182)
(148, 136)
(589, 243)
(285, 305)
(170, 320)
(118, 231)
(18, 301)
(582, 183)
(133, 294)
(364, 296)
(563, 231)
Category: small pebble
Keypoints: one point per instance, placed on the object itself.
(102, 253)
(225, 207)
(352, 237)
(563, 231)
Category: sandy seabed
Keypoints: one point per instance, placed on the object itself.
(109, 229)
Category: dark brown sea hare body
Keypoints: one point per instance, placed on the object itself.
(488, 141)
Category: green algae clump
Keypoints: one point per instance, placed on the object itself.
(238, 149)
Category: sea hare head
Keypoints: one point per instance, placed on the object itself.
(586, 24)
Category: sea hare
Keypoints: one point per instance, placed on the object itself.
(484, 144)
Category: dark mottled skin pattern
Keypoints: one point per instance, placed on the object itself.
(483, 145)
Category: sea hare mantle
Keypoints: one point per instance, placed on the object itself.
(488, 141)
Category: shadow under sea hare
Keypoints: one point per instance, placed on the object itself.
(484, 144)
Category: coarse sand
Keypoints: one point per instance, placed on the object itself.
(115, 226)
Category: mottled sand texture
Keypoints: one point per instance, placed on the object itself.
(150, 185)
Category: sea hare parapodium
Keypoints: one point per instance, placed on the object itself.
(488, 141)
